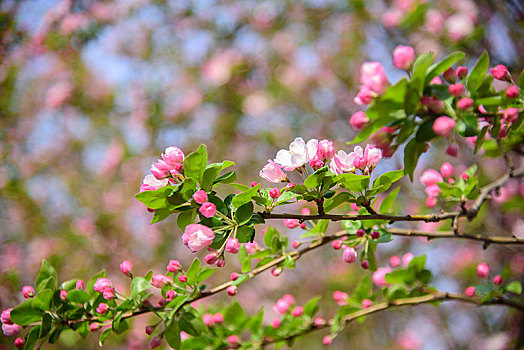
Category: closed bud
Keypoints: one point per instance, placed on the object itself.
(208, 320)
(449, 75)
(500, 72)
(170, 295)
(158, 280)
(218, 318)
(275, 323)
(336, 244)
(173, 266)
(155, 342)
(79, 285)
(63, 295)
(182, 278)
(456, 89)
(366, 303)
(483, 270)
(208, 209)
(297, 311)
(375, 235)
(231, 290)
(296, 244)
(150, 330)
(470, 291)
(200, 196)
(28, 292)
(461, 72)
(327, 340)
(364, 264)
(360, 232)
(126, 267)
(512, 92)
(19, 343)
(497, 280)
(102, 308)
(394, 261)
(276, 271)
(93, 327)
(234, 276)
(349, 255)
(232, 245)
(210, 258)
(447, 170)
(358, 120)
(220, 262)
(274, 192)
(452, 150)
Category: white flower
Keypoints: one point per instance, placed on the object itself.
(299, 154)
(342, 162)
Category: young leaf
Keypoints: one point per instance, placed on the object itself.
(24, 314)
(440, 67)
(514, 287)
(192, 272)
(195, 163)
(477, 74)
(389, 201)
(138, 285)
(244, 213)
(244, 197)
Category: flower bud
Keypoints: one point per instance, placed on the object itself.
(483, 270)
(452, 150)
(298, 311)
(366, 303)
(403, 57)
(394, 261)
(497, 280)
(220, 262)
(336, 244)
(93, 327)
(28, 292)
(208, 209)
(449, 75)
(173, 156)
(102, 308)
(126, 267)
(276, 271)
(379, 276)
(274, 192)
(512, 92)
(63, 295)
(316, 163)
(443, 126)
(254, 183)
(218, 318)
(232, 339)
(461, 72)
(19, 343)
(456, 89)
(182, 278)
(158, 280)
(406, 258)
(360, 232)
(208, 320)
(173, 266)
(170, 295)
(325, 150)
(282, 306)
(319, 321)
(150, 330)
(500, 72)
(155, 342)
(79, 285)
(470, 291)
(234, 276)
(358, 120)
(364, 264)
(465, 103)
(447, 170)
(375, 235)
(296, 244)
(231, 290)
(302, 225)
(200, 196)
(232, 245)
(349, 255)
(511, 115)
(291, 223)
(275, 323)
(160, 170)
(327, 340)
(430, 177)
(210, 258)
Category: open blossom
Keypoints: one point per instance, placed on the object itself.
(299, 153)
(197, 236)
(173, 156)
(373, 76)
(325, 150)
(403, 57)
(158, 280)
(373, 156)
(273, 172)
(358, 120)
(342, 162)
(150, 183)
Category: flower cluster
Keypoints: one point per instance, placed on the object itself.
(164, 171)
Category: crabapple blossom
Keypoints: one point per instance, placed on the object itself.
(6, 316)
(511, 114)
(406, 258)
(461, 72)
(379, 276)
(275, 323)
(151, 183)
(358, 120)
(291, 223)
(232, 339)
(349, 255)
(211, 258)
(272, 172)
(512, 92)
(182, 278)
(170, 295)
(364, 264)
(456, 89)
(208, 209)
(93, 327)
(158, 280)
(102, 284)
(297, 311)
(500, 72)
(173, 266)
(336, 244)
(299, 153)
(373, 155)
(403, 57)
(394, 261)
(447, 170)
(197, 237)
(274, 192)
(28, 292)
(373, 76)
(443, 126)
(218, 318)
(79, 285)
(155, 342)
(102, 308)
(126, 267)
(231, 290)
(234, 276)
(173, 156)
(497, 280)
(342, 162)
(452, 150)
(200, 197)
(160, 170)
(10, 330)
(465, 103)
(327, 340)
(325, 150)
(232, 245)
(430, 177)
(483, 270)
(19, 343)
(366, 303)
(470, 291)
(251, 247)
(319, 321)
(340, 298)
(364, 96)
(208, 320)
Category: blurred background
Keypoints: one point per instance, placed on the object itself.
(91, 92)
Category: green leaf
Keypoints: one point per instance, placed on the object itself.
(440, 67)
(156, 199)
(387, 179)
(353, 182)
(160, 214)
(211, 173)
(172, 334)
(514, 287)
(24, 314)
(339, 199)
(244, 213)
(176, 304)
(396, 276)
(425, 130)
(205, 273)
(186, 218)
(412, 101)
(77, 296)
(477, 74)
(104, 336)
(286, 196)
(45, 277)
(468, 126)
(521, 80)
(227, 178)
(420, 68)
(139, 285)
(311, 307)
(46, 325)
(417, 264)
(32, 338)
(244, 197)
(389, 201)
(315, 180)
(234, 315)
(42, 300)
(188, 324)
(192, 272)
(245, 234)
(351, 226)
(289, 262)
(412, 153)
(268, 237)
(480, 139)
(195, 163)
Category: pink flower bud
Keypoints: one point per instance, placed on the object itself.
(359, 162)
(465, 103)
(276, 271)
(275, 323)
(28, 292)
(251, 247)
(319, 322)
(483, 270)
(126, 267)
(19, 343)
(349, 255)
(461, 72)
(325, 150)
(254, 183)
(232, 245)
(447, 170)
(430, 177)
(158, 280)
(366, 303)
(379, 276)
(452, 150)
(101, 284)
(173, 156)
(364, 264)
(218, 318)
(281, 306)
(512, 92)
(220, 263)
(210, 258)
(298, 311)
(170, 295)
(431, 202)
(358, 120)
(234, 276)
(272, 172)
(150, 330)
(63, 295)
(456, 89)
(500, 72)
(197, 236)
(173, 266)
(6, 316)
(162, 302)
(336, 244)
(182, 278)
(208, 209)
(497, 280)
(360, 232)
(231, 290)
(274, 192)
(288, 298)
(302, 225)
(465, 176)
(102, 308)
(327, 340)
(433, 190)
(232, 339)
(449, 75)
(200, 196)
(316, 163)
(394, 261)
(470, 291)
(208, 320)
(11, 330)
(155, 342)
(364, 96)
(375, 235)
(290, 186)
(403, 57)
(511, 115)
(291, 223)
(160, 170)
(340, 297)
(93, 327)
(296, 244)
(109, 293)
(443, 126)
(406, 258)
(79, 285)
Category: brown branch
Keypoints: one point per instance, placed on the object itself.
(448, 234)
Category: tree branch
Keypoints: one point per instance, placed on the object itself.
(448, 234)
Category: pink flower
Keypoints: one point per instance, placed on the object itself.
(406, 258)
(512, 92)
(182, 278)
(316, 163)
(273, 172)
(497, 280)
(275, 323)
(358, 120)
(200, 196)
(511, 115)
(150, 330)
(19, 343)
(319, 321)
(63, 295)
(443, 126)
(394, 261)
(434, 21)
(341, 298)
(373, 76)
(483, 270)
(500, 72)
(298, 311)
(364, 96)
(403, 57)
(158, 280)
(336, 244)
(325, 150)
(231, 290)
(208, 209)
(208, 320)
(274, 192)
(93, 327)
(155, 342)
(11, 329)
(234, 276)
(456, 89)
(102, 284)
(452, 150)
(299, 153)
(160, 170)
(282, 306)
(232, 245)
(343, 162)
(173, 266)
(433, 190)
(197, 236)
(251, 247)
(170, 295)
(465, 103)
(470, 291)
(102, 308)
(373, 156)
(150, 183)
(430, 177)
(379, 276)
(109, 293)
(291, 223)
(6, 316)
(447, 170)
(327, 340)
(28, 292)
(126, 267)
(366, 303)
(210, 258)
(436, 81)
(79, 285)
(173, 156)
(218, 318)
(232, 339)
(349, 255)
